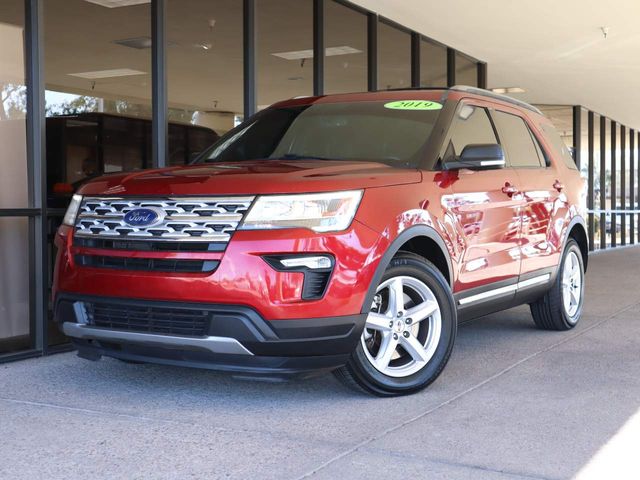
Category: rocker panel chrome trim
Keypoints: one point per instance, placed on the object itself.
(540, 279)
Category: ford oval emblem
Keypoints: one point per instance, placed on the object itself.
(144, 217)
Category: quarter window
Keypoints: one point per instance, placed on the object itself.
(517, 141)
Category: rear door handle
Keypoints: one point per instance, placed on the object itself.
(558, 185)
(509, 189)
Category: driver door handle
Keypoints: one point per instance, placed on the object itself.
(509, 189)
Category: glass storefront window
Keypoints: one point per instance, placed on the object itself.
(345, 62)
(284, 52)
(15, 329)
(204, 70)
(394, 57)
(97, 70)
(466, 71)
(433, 64)
(13, 107)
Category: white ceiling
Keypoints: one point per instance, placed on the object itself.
(554, 49)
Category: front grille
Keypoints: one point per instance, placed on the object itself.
(136, 318)
(210, 220)
(148, 264)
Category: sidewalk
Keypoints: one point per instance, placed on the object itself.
(514, 402)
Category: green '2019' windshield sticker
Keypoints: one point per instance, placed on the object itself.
(413, 105)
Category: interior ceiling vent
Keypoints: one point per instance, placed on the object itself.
(118, 3)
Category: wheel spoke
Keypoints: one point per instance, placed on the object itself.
(576, 278)
(396, 297)
(386, 351)
(566, 274)
(574, 297)
(574, 265)
(414, 348)
(378, 321)
(422, 311)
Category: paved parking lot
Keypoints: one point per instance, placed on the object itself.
(514, 402)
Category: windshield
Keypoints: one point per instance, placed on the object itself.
(394, 133)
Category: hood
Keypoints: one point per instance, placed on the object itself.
(252, 177)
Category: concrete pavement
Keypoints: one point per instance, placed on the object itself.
(513, 403)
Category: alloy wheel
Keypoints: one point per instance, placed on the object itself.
(571, 284)
(403, 328)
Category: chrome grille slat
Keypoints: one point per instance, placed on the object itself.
(188, 219)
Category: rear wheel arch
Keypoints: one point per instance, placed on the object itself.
(421, 240)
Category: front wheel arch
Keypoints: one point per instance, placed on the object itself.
(411, 234)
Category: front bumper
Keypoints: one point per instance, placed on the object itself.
(242, 277)
(235, 338)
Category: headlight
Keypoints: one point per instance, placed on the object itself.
(72, 211)
(320, 212)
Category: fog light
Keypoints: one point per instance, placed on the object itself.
(312, 263)
(317, 270)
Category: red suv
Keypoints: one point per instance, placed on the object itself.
(344, 232)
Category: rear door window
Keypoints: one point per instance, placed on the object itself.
(559, 146)
(517, 141)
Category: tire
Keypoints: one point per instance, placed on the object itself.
(551, 312)
(428, 338)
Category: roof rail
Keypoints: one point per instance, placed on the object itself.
(497, 96)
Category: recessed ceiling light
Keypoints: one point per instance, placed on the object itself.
(116, 72)
(329, 52)
(118, 3)
(508, 90)
(344, 50)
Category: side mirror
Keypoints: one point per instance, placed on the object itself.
(479, 157)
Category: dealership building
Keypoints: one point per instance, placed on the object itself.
(95, 86)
